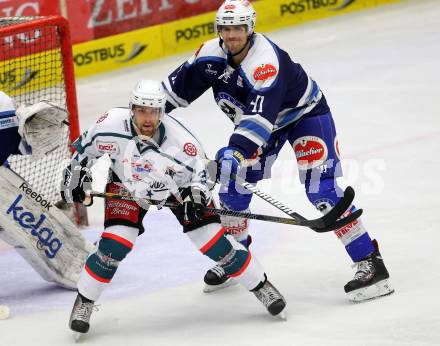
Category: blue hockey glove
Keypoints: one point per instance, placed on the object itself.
(228, 160)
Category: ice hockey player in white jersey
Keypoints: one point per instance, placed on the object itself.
(271, 101)
(29, 222)
(153, 156)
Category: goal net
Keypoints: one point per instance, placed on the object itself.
(36, 64)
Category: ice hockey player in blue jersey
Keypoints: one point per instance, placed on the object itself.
(271, 100)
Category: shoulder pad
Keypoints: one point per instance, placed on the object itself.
(262, 66)
(114, 120)
(209, 49)
(182, 136)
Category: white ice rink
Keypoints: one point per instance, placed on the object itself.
(379, 70)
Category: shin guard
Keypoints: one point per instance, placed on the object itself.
(353, 236)
(115, 243)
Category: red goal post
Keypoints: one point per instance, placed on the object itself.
(36, 64)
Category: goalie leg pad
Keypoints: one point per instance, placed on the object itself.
(232, 256)
(115, 244)
(353, 236)
(41, 233)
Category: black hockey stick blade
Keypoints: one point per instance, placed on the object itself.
(330, 221)
(341, 223)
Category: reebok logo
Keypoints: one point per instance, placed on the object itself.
(36, 196)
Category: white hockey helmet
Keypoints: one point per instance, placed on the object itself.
(236, 12)
(148, 93)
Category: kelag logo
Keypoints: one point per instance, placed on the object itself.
(27, 220)
(301, 6)
(12, 80)
(110, 53)
(196, 31)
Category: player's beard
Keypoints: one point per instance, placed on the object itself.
(235, 46)
(146, 131)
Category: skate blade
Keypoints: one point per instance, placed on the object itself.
(213, 288)
(282, 315)
(379, 289)
(77, 336)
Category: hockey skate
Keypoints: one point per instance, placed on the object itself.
(271, 298)
(216, 279)
(370, 280)
(80, 317)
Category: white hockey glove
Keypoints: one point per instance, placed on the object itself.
(42, 125)
(77, 180)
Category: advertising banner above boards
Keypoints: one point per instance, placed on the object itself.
(101, 18)
(19, 8)
(275, 14)
(95, 18)
(113, 52)
(19, 75)
(189, 33)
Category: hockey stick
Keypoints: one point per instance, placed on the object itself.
(330, 221)
(260, 217)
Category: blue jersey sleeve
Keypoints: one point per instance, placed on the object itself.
(9, 136)
(184, 85)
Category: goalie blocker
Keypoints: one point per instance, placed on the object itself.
(40, 233)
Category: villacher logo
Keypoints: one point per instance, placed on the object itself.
(264, 72)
